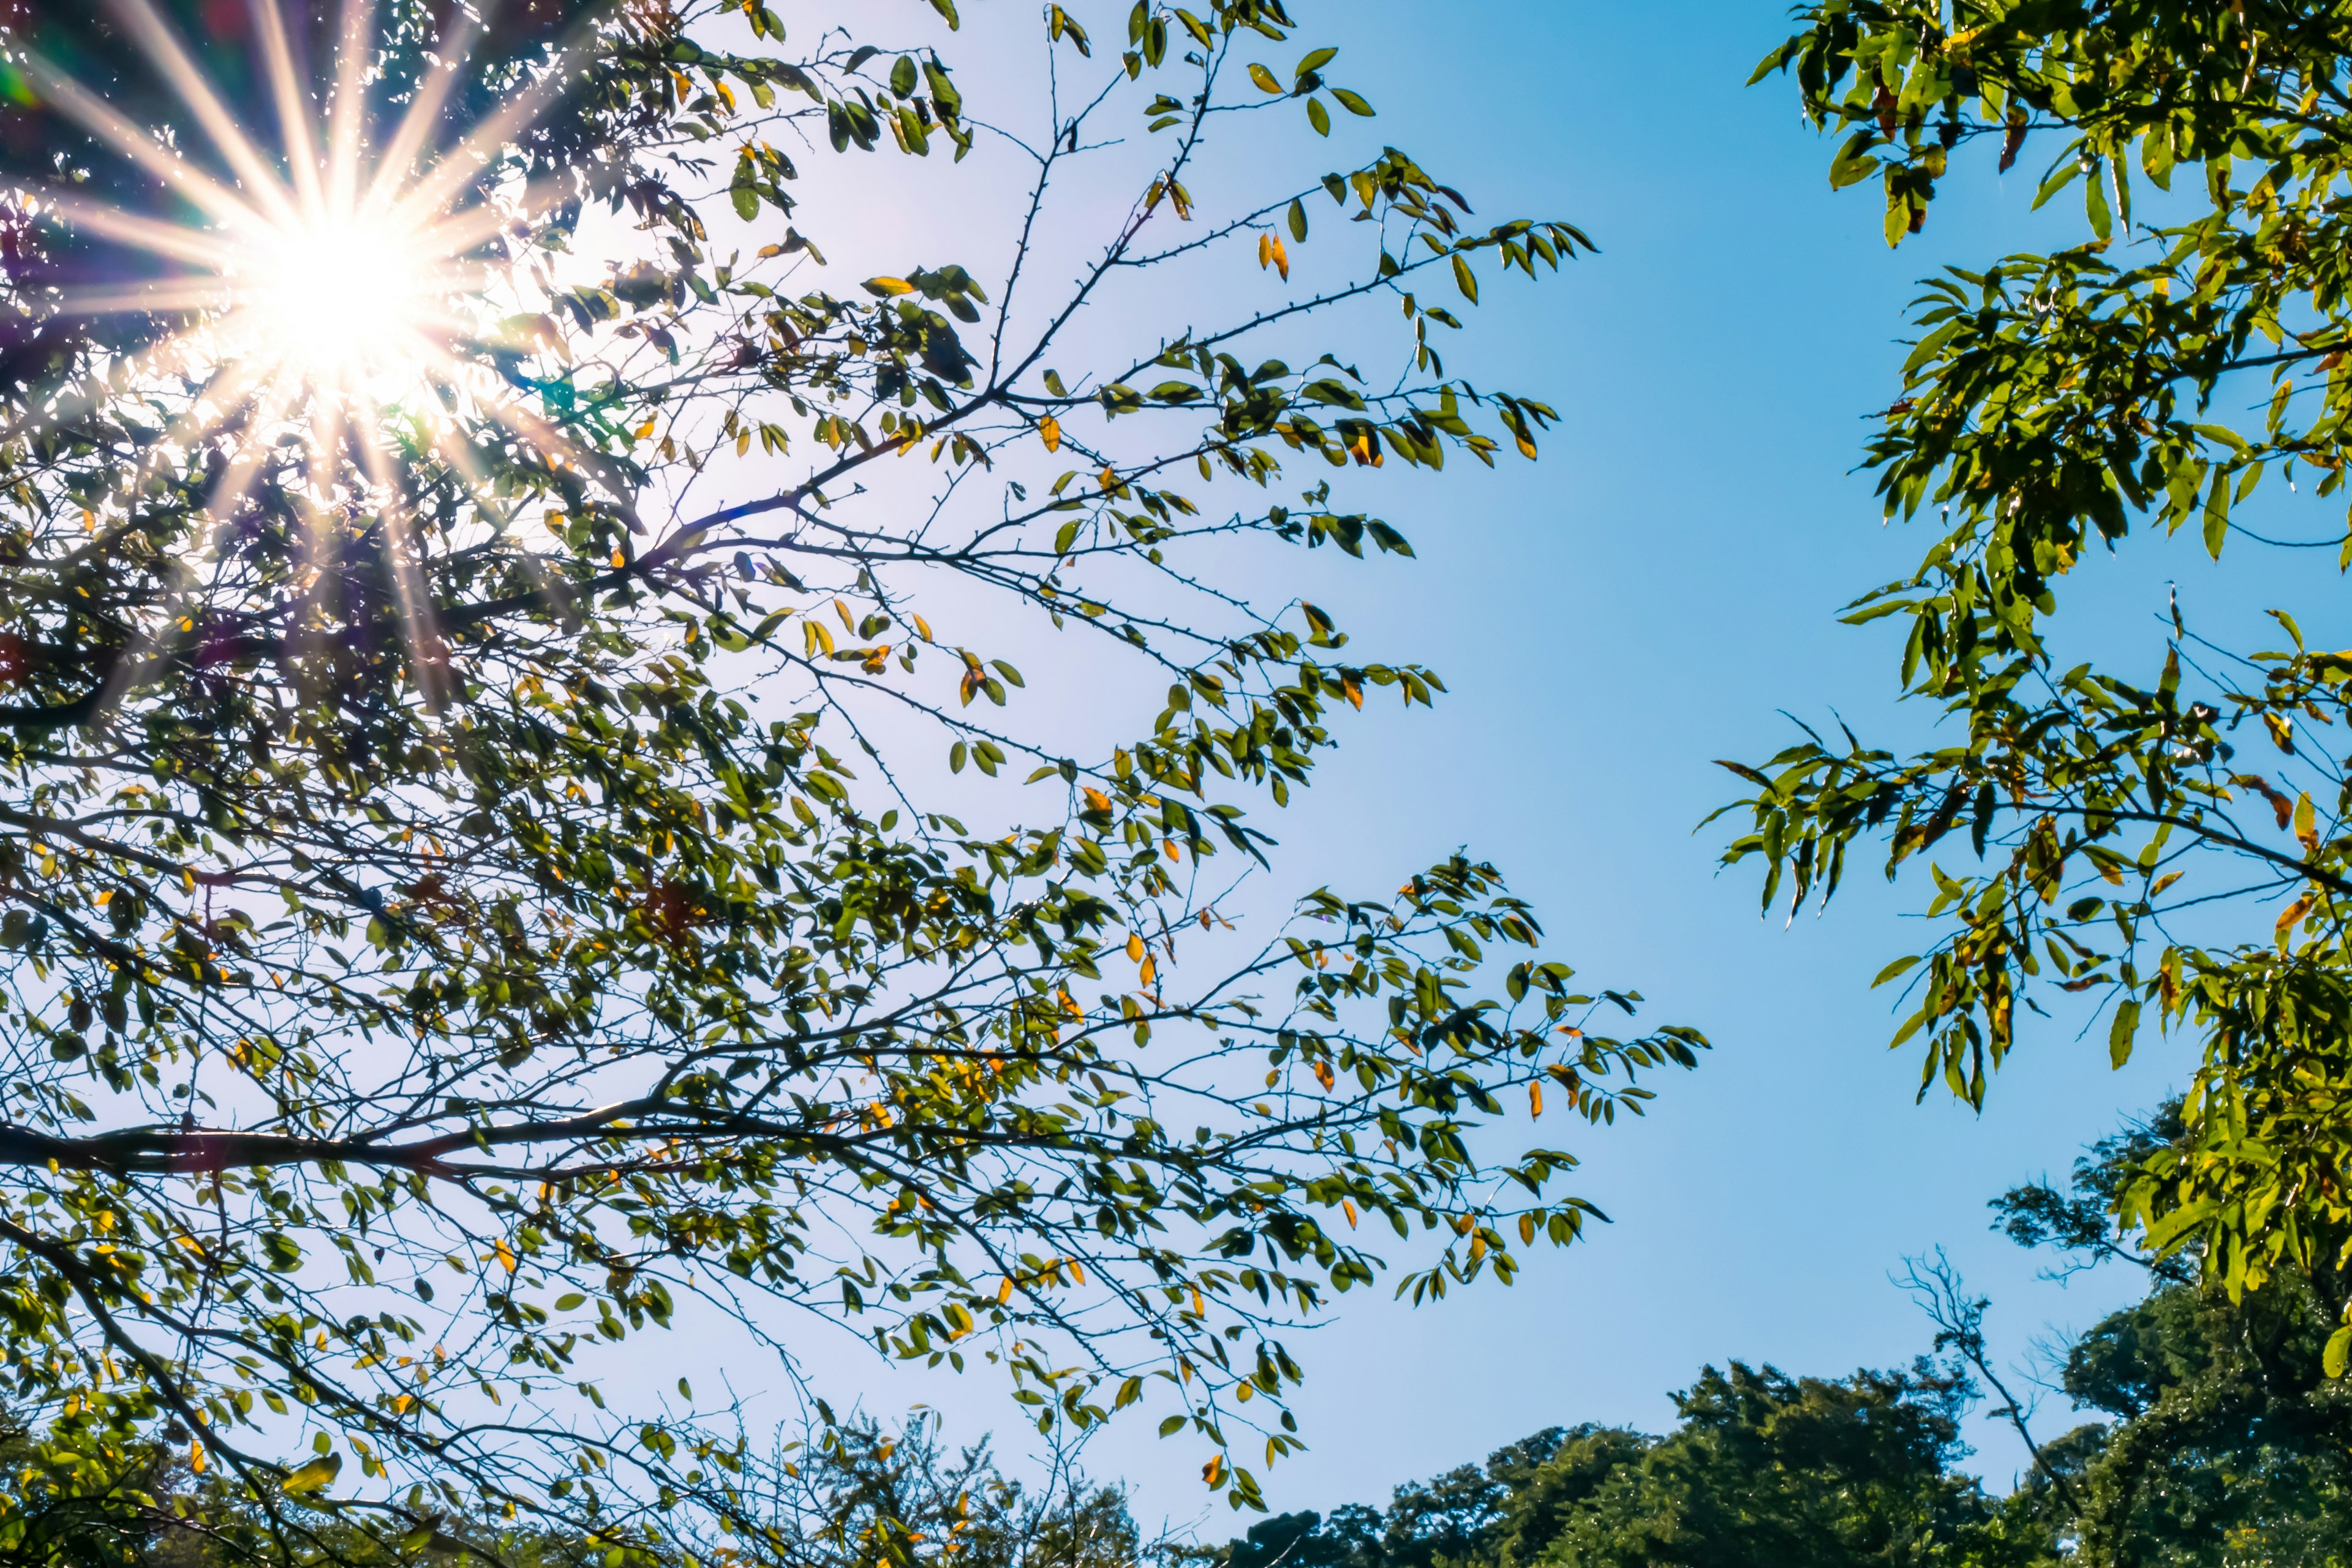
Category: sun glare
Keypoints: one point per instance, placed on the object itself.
(336, 302)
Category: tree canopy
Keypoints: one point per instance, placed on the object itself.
(503, 669)
(2161, 829)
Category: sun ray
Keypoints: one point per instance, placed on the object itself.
(395, 164)
(347, 113)
(168, 297)
(220, 510)
(293, 114)
(420, 633)
(173, 241)
(163, 47)
(439, 185)
(216, 200)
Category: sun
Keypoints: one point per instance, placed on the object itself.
(339, 302)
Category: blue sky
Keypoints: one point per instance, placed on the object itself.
(1645, 600)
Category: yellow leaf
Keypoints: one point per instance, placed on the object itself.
(1281, 257)
(619, 560)
(1150, 970)
(1005, 1291)
(1526, 1230)
(1535, 1099)
(886, 287)
(506, 1253)
(1264, 251)
(645, 430)
(922, 626)
(2281, 730)
(1096, 799)
(1347, 1208)
(1050, 428)
(196, 1458)
(1135, 946)
(313, 1476)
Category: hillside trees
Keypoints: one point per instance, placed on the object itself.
(486, 616)
(2160, 830)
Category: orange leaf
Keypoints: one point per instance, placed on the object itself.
(1212, 1470)
(2291, 914)
(1051, 429)
(1535, 1099)
(1349, 1209)
(1325, 1075)
(1096, 799)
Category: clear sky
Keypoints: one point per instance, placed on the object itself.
(1642, 601)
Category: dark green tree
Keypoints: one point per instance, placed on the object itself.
(502, 667)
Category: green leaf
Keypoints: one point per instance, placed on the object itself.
(1265, 80)
(1319, 117)
(1351, 102)
(1900, 966)
(2217, 513)
(1297, 221)
(1465, 279)
(2339, 1353)
(2121, 1032)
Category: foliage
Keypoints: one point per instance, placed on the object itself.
(2111, 830)
(478, 882)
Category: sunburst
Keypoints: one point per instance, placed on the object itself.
(332, 277)
(335, 286)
